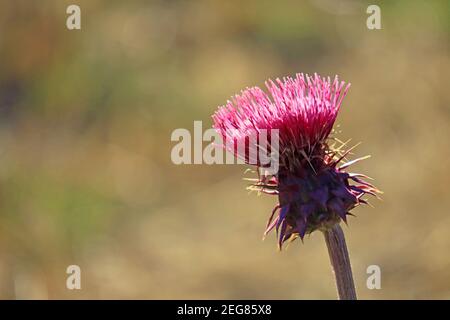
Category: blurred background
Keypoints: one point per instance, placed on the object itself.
(85, 171)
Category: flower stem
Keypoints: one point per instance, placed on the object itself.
(340, 261)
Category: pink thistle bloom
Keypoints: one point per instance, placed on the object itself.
(314, 192)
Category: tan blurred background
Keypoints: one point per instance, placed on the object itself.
(85, 170)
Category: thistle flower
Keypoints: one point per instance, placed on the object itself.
(314, 191)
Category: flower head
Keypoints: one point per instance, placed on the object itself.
(314, 192)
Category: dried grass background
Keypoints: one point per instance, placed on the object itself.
(85, 124)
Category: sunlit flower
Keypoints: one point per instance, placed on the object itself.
(314, 190)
